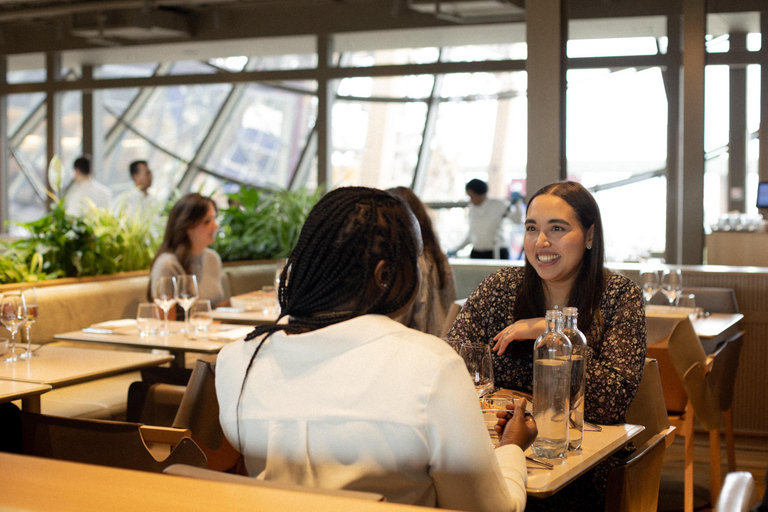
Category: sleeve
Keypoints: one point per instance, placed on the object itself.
(467, 472)
(615, 365)
(488, 309)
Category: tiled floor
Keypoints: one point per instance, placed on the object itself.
(751, 455)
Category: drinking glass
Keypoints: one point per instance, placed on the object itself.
(200, 316)
(165, 297)
(649, 282)
(13, 314)
(672, 284)
(147, 319)
(186, 295)
(30, 298)
(477, 357)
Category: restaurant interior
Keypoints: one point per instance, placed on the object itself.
(654, 106)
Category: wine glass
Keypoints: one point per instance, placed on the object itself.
(186, 295)
(30, 298)
(13, 314)
(672, 284)
(200, 316)
(165, 297)
(477, 357)
(649, 282)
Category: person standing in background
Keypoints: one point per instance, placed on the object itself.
(138, 199)
(485, 223)
(85, 190)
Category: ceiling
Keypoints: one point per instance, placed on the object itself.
(96, 31)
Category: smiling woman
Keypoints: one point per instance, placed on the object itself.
(564, 252)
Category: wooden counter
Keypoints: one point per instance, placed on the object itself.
(739, 248)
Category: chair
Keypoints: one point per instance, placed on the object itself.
(633, 485)
(196, 408)
(695, 386)
(106, 443)
(738, 492)
(217, 476)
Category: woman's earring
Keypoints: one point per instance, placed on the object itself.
(589, 247)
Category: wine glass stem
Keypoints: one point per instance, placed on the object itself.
(166, 321)
(186, 320)
(13, 343)
(29, 341)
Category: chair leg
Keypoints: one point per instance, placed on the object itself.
(688, 472)
(729, 444)
(715, 474)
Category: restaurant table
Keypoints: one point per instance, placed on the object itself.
(595, 447)
(177, 343)
(243, 316)
(59, 367)
(711, 329)
(47, 485)
(28, 392)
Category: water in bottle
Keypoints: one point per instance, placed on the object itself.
(551, 388)
(578, 358)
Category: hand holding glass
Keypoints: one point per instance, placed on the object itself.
(165, 297)
(30, 298)
(148, 319)
(13, 314)
(200, 316)
(186, 295)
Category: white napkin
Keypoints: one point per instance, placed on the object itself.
(230, 334)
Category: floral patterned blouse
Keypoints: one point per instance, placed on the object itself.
(615, 353)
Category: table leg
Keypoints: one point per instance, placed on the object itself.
(179, 359)
(31, 404)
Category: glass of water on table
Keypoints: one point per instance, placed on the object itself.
(200, 317)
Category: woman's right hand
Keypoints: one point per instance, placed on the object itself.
(528, 329)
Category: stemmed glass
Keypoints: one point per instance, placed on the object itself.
(672, 284)
(30, 298)
(477, 357)
(186, 295)
(165, 297)
(13, 314)
(649, 282)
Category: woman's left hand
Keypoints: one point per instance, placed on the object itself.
(527, 329)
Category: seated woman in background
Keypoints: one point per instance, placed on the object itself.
(338, 395)
(191, 228)
(438, 289)
(564, 267)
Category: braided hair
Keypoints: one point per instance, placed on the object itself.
(329, 276)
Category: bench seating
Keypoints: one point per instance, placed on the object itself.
(70, 304)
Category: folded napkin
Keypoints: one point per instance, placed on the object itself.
(122, 326)
(230, 334)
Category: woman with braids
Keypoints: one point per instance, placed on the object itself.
(191, 228)
(564, 267)
(337, 395)
(438, 289)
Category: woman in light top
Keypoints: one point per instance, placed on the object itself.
(191, 228)
(438, 289)
(338, 395)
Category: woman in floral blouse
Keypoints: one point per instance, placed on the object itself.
(564, 267)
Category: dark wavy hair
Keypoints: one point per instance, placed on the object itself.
(590, 282)
(428, 235)
(187, 213)
(329, 276)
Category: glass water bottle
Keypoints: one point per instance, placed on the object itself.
(578, 360)
(551, 388)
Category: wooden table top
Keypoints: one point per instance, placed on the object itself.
(13, 390)
(37, 484)
(65, 366)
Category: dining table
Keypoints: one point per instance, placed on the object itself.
(57, 367)
(711, 328)
(125, 333)
(28, 392)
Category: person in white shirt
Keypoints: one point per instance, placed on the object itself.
(485, 223)
(85, 190)
(338, 395)
(138, 199)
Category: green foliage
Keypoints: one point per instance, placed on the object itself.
(60, 245)
(263, 224)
